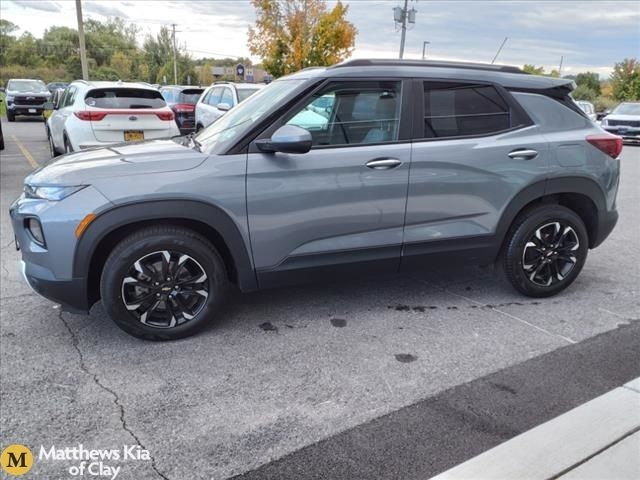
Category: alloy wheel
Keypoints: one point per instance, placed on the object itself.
(550, 254)
(165, 288)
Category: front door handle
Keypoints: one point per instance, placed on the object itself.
(384, 163)
(523, 154)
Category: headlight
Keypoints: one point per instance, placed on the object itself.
(605, 122)
(10, 98)
(51, 193)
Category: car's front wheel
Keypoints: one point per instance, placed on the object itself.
(545, 250)
(163, 283)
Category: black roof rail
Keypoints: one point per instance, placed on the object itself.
(427, 63)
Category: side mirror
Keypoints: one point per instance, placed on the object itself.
(49, 106)
(287, 139)
(224, 107)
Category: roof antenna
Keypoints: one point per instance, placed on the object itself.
(500, 49)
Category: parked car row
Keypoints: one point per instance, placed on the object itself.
(87, 114)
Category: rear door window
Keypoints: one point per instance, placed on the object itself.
(461, 110)
(124, 98)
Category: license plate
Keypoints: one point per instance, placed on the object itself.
(32, 110)
(133, 135)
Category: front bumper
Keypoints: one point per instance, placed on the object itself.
(70, 294)
(628, 134)
(26, 109)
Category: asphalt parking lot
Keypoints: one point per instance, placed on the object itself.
(391, 377)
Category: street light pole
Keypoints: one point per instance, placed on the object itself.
(175, 67)
(83, 49)
(424, 49)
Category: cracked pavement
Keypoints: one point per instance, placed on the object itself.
(281, 369)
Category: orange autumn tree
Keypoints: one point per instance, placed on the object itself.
(290, 35)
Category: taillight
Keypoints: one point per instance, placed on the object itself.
(183, 108)
(165, 115)
(609, 144)
(90, 115)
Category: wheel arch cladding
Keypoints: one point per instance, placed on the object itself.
(582, 195)
(112, 226)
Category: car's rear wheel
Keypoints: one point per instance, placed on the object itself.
(163, 283)
(545, 250)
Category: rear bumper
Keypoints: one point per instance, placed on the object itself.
(70, 294)
(606, 223)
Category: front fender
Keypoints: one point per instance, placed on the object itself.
(128, 214)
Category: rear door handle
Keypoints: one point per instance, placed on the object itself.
(384, 163)
(523, 154)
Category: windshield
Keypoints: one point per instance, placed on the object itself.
(223, 132)
(628, 109)
(191, 95)
(26, 86)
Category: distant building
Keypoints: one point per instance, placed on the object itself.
(252, 74)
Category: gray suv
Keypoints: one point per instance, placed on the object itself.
(369, 166)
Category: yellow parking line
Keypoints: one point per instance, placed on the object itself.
(26, 153)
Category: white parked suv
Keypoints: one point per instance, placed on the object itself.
(216, 100)
(93, 114)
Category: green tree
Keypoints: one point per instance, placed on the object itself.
(533, 69)
(6, 38)
(121, 63)
(24, 51)
(625, 80)
(590, 80)
(293, 34)
(583, 92)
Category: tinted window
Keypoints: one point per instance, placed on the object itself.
(244, 93)
(227, 97)
(457, 109)
(124, 98)
(190, 95)
(349, 113)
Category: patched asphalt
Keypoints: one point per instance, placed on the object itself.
(286, 373)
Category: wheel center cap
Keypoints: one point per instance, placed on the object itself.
(166, 289)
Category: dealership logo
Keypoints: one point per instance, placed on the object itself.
(16, 459)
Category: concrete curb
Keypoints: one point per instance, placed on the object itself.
(586, 439)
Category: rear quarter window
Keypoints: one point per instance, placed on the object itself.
(124, 98)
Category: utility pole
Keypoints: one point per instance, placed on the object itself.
(175, 66)
(560, 68)
(500, 49)
(424, 49)
(83, 49)
(404, 28)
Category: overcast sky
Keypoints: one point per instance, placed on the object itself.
(591, 35)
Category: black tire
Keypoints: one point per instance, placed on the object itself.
(67, 145)
(10, 116)
(144, 244)
(536, 252)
